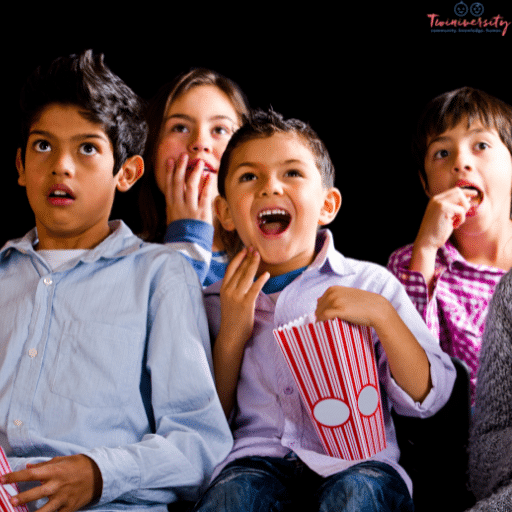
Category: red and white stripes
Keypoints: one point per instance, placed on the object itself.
(333, 363)
(7, 491)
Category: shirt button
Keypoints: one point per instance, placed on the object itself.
(32, 353)
(47, 281)
(18, 423)
(288, 390)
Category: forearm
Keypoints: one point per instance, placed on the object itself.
(193, 239)
(227, 361)
(423, 260)
(407, 360)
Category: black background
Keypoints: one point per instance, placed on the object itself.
(359, 73)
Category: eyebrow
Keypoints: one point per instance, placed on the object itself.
(256, 164)
(444, 138)
(192, 119)
(80, 136)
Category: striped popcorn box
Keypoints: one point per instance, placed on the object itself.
(333, 363)
(9, 490)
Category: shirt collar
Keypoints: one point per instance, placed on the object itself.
(450, 255)
(120, 242)
(451, 258)
(328, 259)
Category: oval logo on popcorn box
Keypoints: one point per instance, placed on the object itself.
(333, 363)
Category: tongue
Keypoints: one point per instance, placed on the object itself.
(272, 228)
(274, 225)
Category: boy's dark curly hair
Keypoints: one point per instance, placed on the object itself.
(85, 81)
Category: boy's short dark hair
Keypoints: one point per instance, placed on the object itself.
(85, 81)
(263, 124)
(449, 109)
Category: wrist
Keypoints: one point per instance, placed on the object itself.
(423, 259)
(383, 313)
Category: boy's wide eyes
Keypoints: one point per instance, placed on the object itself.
(250, 176)
(247, 176)
(41, 146)
(88, 149)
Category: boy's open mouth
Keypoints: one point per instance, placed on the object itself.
(60, 195)
(274, 221)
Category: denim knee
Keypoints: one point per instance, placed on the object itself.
(247, 485)
(369, 486)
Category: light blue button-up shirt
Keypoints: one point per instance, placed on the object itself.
(109, 356)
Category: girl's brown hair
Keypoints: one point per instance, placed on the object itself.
(151, 199)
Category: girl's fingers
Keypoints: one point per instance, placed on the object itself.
(192, 184)
(208, 190)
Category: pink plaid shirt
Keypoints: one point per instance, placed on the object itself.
(457, 310)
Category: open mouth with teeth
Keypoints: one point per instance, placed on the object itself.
(60, 193)
(60, 196)
(475, 196)
(274, 221)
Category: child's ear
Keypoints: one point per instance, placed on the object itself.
(130, 172)
(224, 213)
(331, 206)
(21, 169)
(424, 184)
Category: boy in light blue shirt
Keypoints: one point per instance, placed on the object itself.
(106, 395)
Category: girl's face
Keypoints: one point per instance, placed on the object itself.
(197, 125)
(477, 159)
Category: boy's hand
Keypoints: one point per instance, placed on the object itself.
(238, 295)
(407, 360)
(188, 198)
(69, 483)
(356, 306)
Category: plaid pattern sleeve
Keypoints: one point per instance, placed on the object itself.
(457, 309)
(415, 286)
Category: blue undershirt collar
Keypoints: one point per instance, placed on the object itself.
(278, 283)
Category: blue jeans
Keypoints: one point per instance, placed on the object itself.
(267, 484)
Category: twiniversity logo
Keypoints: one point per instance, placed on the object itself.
(468, 19)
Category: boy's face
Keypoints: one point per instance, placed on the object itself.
(198, 123)
(275, 200)
(68, 175)
(474, 158)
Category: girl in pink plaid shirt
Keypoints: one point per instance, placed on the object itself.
(463, 149)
